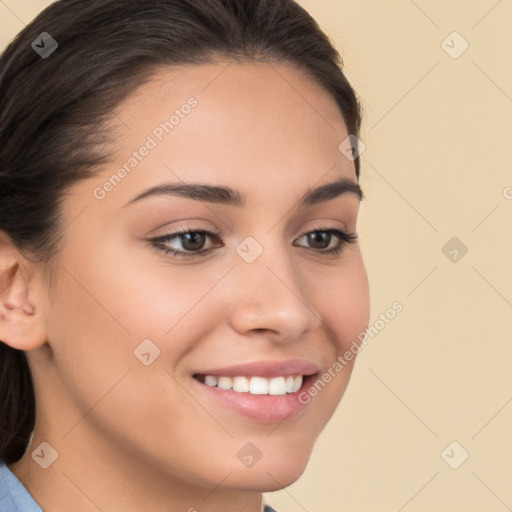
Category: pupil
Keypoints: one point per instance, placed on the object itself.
(319, 238)
(193, 241)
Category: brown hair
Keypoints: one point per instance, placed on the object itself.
(53, 113)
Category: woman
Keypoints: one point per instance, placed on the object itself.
(179, 264)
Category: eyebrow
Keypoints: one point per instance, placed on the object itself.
(228, 196)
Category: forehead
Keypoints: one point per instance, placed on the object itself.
(239, 85)
(248, 125)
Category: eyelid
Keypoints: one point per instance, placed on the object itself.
(323, 227)
(182, 230)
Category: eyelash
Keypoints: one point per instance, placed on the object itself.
(159, 242)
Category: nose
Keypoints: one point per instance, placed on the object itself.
(269, 296)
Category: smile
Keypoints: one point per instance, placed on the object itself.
(254, 385)
(265, 391)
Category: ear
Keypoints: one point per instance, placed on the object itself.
(22, 323)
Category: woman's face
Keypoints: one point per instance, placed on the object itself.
(137, 336)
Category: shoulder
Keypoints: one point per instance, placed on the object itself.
(13, 495)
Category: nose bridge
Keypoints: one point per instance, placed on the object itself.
(269, 292)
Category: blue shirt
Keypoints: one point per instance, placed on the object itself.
(15, 498)
(13, 495)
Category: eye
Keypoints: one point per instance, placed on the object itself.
(321, 239)
(193, 242)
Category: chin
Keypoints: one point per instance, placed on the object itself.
(271, 473)
(263, 481)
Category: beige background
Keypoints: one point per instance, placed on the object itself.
(437, 165)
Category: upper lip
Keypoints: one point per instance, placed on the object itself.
(266, 369)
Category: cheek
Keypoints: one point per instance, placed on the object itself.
(342, 299)
(105, 306)
(90, 339)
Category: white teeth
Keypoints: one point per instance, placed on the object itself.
(241, 384)
(210, 380)
(276, 386)
(256, 385)
(225, 382)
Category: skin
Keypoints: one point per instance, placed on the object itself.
(133, 437)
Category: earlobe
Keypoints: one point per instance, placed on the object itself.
(21, 319)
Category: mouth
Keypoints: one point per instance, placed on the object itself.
(254, 385)
(264, 392)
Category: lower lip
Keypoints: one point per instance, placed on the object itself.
(264, 408)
